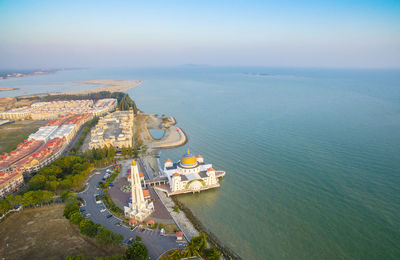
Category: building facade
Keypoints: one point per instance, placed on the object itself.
(190, 174)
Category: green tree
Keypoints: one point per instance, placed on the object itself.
(37, 182)
(69, 209)
(106, 237)
(14, 200)
(130, 151)
(111, 152)
(196, 246)
(4, 206)
(123, 151)
(137, 251)
(75, 217)
(176, 208)
(212, 253)
(88, 227)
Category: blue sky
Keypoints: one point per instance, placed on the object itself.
(167, 33)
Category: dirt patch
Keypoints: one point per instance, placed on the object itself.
(13, 134)
(43, 233)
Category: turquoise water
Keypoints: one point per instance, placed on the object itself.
(312, 156)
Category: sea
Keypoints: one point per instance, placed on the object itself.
(312, 156)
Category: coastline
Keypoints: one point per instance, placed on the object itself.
(173, 137)
(8, 89)
(190, 225)
(107, 85)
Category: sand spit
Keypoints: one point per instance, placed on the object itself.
(8, 89)
(106, 85)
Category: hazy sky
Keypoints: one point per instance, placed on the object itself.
(163, 33)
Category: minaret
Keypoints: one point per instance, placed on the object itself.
(138, 202)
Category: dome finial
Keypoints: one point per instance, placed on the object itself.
(188, 152)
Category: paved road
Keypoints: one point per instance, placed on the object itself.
(75, 139)
(155, 243)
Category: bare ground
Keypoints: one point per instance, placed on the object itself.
(43, 233)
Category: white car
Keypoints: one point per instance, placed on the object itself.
(102, 210)
(98, 201)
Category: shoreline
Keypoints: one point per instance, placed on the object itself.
(187, 222)
(196, 226)
(105, 85)
(8, 89)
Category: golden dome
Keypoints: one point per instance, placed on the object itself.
(188, 160)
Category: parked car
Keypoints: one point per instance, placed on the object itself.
(109, 216)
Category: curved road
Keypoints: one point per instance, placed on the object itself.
(155, 243)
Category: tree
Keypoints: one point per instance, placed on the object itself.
(69, 209)
(130, 151)
(5, 206)
(123, 151)
(37, 182)
(111, 152)
(175, 255)
(212, 253)
(176, 208)
(196, 246)
(14, 200)
(88, 227)
(75, 217)
(137, 251)
(106, 237)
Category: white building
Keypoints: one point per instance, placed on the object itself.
(139, 208)
(43, 134)
(190, 174)
(67, 131)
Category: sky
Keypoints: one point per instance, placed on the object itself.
(49, 34)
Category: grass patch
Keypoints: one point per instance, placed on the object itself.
(13, 134)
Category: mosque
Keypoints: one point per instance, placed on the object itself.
(190, 174)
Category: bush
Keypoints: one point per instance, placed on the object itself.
(137, 251)
(88, 227)
(212, 253)
(75, 217)
(106, 237)
(70, 209)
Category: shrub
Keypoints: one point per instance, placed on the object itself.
(75, 217)
(69, 209)
(88, 227)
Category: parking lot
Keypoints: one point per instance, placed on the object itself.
(98, 213)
